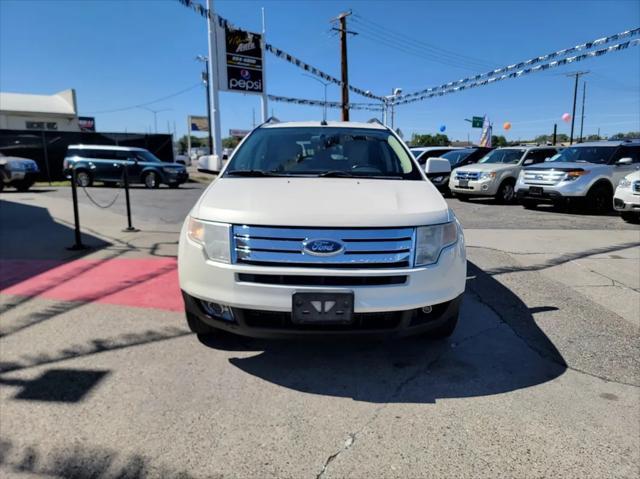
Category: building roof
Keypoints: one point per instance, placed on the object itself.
(62, 103)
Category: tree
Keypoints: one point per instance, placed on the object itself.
(430, 140)
(498, 141)
(195, 143)
(230, 142)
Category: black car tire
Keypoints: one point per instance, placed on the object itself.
(110, 184)
(84, 178)
(198, 326)
(174, 185)
(506, 193)
(23, 185)
(630, 217)
(462, 197)
(444, 330)
(151, 180)
(529, 204)
(599, 199)
(1, 184)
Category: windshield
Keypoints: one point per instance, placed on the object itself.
(145, 155)
(456, 156)
(511, 156)
(323, 151)
(585, 154)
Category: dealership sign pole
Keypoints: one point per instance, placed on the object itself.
(214, 79)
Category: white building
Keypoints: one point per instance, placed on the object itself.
(58, 112)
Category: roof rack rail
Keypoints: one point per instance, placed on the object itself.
(271, 119)
(375, 120)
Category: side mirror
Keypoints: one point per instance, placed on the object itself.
(437, 166)
(624, 161)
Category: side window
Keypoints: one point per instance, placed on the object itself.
(532, 156)
(632, 152)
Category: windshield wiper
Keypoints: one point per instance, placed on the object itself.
(252, 173)
(336, 173)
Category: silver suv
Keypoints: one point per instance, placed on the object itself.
(586, 173)
(496, 173)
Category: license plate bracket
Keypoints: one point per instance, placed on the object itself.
(322, 308)
(536, 190)
(463, 183)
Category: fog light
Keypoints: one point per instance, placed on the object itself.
(217, 310)
(427, 309)
(485, 187)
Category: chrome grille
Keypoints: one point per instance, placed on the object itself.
(467, 175)
(363, 248)
(543, 177)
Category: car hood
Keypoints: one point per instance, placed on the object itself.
(322, 202)
(486, 167)
(562, 166)
(165, 164)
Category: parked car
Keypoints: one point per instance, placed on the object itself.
(496, 173)
(322, 228)
(17, 172)
(106, 163)
(183, 160)
(626, 199)
(457, 158)
(423, 153)
(585, 173)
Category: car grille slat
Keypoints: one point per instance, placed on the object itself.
(543, 177)
(362, 248)
(467, 175)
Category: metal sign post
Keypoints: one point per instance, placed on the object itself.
(214, 69)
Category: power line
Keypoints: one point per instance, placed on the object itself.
(141, 105)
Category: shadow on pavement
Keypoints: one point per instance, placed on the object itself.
(81, 461)
(31, 190)
(485, 356)
(57, 385)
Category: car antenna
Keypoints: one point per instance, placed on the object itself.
(324, 123)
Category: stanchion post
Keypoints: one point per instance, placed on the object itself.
(129, 227)
(77, 246)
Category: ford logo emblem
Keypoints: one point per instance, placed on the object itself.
(322, 247)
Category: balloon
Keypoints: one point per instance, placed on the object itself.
(507, 125)
(566, 117)
(443, 128)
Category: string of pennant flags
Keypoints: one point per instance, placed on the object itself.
(329, 104)
(439, 91)
(521, 66)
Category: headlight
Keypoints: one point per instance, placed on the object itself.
(213, 237)
(575, 174)
(431, 240)
(624, 183)
(169, 170)
(487, 175)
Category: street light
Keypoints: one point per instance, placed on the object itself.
(155, 115)
(389, 100)
(205, 79)
(325, 84)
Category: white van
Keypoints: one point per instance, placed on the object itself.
(322, 228)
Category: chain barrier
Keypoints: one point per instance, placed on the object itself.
(108, 205)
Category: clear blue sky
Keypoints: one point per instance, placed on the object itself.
(121, 53)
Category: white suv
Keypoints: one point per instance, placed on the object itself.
(322, 228)
(495, 175)
(626, 199)
(586, 173)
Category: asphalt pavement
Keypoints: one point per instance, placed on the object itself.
(99, 376)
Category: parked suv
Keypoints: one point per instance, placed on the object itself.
(585, 173)
(106, 163)
(496, 173)
(18, 172)
(322, 228)
(626, 199)
(456, 159)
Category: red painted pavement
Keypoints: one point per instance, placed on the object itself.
(142, 283)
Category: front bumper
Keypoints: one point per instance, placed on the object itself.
(488, 187)
(626, 200)
(270, 289)
(176, 178)
(275, 324)
(564, 189)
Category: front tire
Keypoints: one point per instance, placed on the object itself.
(151, 180)
(506, 193)
(444, 330)
(529, 204)
(599, 199)
(23, 185)
(83, 179)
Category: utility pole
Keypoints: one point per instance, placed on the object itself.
(342, 18)
(584, 93)
(575, 97)
(555, 133)
(205, 80)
